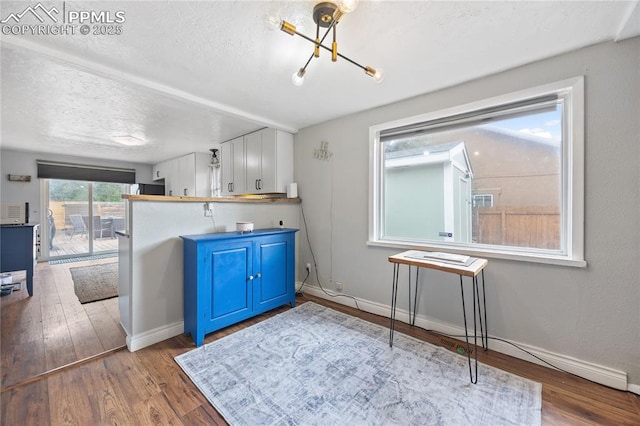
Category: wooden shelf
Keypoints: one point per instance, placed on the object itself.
(237, 199)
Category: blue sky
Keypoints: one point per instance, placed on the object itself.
(547, 124)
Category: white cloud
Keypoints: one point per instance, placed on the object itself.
(552, 123)
(537, 132)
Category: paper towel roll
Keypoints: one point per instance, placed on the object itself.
(292, 190)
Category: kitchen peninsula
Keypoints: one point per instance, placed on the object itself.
(150, 253)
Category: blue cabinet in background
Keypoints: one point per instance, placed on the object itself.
(229, 277)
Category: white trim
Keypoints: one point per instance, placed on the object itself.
(156, 335)
(597, 373)
(633, 388)
(572, 252)
(484, 252)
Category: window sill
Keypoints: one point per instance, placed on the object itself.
(491, 254)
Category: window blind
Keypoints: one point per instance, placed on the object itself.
(480, 115)
(84, 172)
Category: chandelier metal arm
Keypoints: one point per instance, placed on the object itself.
(327, 48)
(320, 43)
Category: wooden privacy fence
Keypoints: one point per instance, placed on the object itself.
(61, 211)
(531, 226)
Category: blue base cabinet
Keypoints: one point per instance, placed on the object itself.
(229, 277)
(19, 249)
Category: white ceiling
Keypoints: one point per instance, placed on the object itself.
(186, 75)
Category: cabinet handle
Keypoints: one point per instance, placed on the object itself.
(257, 184)
(260, 184)
(250, 277)
(185, 191)
(171, 192)
(157, 173)
(258, 275)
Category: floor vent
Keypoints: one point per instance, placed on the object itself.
(455, 346)
(82, 258)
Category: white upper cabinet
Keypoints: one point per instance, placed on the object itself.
(160, 170)
(232, 166)
(186, 176)
(267, 163)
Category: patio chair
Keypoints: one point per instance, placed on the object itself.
(78, 225)
(101, 227)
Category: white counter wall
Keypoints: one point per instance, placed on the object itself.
(155, 292)
(586, 319)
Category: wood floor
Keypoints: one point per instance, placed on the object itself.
(148, 387)
(51, 328)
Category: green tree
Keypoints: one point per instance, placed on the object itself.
(68, 190)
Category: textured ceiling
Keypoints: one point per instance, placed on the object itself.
(184, 75)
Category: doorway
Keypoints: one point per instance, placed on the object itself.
(82, 217)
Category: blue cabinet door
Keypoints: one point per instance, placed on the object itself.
(229, 295)
(274, 258)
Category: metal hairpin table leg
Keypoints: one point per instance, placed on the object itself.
(394, 296)
(466, 332)
(415, 298)
(484, 330)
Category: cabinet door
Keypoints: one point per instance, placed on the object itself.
(187, 175)
(239, 181)
(172, 178)
(159, 171)
(253, 161)
(269, 164)
(274, 271)
(226, 165)
(229, 293)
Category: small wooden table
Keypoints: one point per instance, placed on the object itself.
(438, 261)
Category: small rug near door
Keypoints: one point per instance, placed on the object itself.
(315, 366)
(95, 282)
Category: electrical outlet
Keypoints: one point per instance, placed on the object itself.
(339, 286)
(208, 209)
(308, 267)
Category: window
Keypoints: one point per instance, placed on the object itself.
(482, 200)
(501, 177)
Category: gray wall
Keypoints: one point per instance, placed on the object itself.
(24, 163)
(592, 313)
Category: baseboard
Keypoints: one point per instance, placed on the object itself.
(156, 335)
(594, 372)
(633, 388)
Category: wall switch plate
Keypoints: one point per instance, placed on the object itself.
(208, 209)
(339, 286)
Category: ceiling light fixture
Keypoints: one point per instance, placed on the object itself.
(326, 15)
(128, 140)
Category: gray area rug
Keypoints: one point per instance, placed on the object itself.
(313, 365)
(95, 282)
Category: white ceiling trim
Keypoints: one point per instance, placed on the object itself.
(118, 75)
(630, 25)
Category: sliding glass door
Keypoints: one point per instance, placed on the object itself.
(82, 217)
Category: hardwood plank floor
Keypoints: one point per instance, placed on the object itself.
(52, 329)
(148, 387)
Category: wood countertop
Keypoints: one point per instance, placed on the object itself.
(238, 199)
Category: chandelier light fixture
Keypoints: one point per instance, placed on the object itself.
(326, 15)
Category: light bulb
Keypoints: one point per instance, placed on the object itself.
(348, 6)
(272, 22)
(378, 76)
(298, 77)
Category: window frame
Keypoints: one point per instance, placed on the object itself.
(572, 179)
(484, 196)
